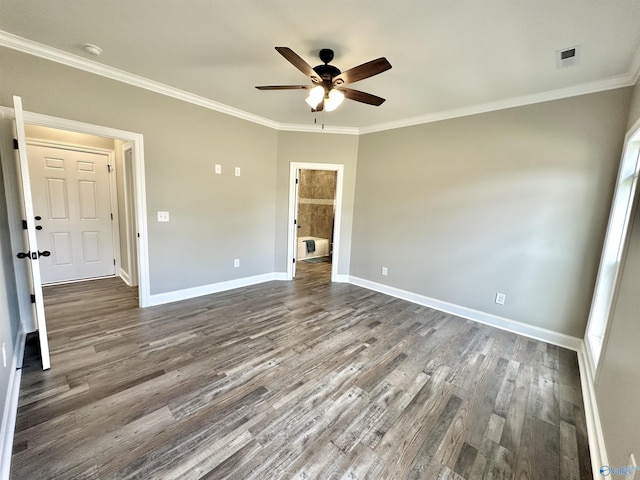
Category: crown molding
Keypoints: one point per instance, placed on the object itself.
(610, 83)
(30, 47)
(46, 52)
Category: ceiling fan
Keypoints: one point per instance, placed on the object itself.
(326, 91)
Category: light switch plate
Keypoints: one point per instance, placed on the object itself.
(237, 171)
(218, 168)
(163, 216)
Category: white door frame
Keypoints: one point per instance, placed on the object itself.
(292, 233)
(139, 188)
(113, 193)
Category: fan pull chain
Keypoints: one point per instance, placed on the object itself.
(315, 119)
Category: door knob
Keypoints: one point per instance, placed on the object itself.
(46, 253)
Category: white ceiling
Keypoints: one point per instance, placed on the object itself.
(449, 57)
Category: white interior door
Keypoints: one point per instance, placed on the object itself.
(31, 253)
(72, 197)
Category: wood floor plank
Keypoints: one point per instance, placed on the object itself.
(304, 379)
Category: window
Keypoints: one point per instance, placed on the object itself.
(613, 250)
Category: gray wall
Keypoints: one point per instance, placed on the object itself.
(618, 385)
(514, 201)
(9, 314)
(214, 218)
(315, 148)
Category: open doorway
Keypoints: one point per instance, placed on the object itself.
(82, 195)
(14, 193)
(315, 219)
(315, 195)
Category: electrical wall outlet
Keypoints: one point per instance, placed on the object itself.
(500, 298)
(384, 271)
(163, 216)
(236, 263)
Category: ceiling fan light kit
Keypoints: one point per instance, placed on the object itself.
(316, 95)
(327, 91)
(333, 100)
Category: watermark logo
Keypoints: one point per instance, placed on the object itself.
(627, 470)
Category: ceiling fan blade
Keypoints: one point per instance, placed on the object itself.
(362, 97)
(298, 62)
(366, 70)
(284, 87)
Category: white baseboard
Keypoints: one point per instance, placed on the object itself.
(11, 406)
(187, 293)
(597, 446)
(531, 331)
(341, 278)
(125, 277)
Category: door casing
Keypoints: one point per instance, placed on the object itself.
(139, 190)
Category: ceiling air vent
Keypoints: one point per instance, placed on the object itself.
(568, 57)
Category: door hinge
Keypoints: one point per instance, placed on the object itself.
(114, 262)
(24, 225)
(112, 216)
(295, 221)
(294, 260)
(296, 181)
(33, 298)
(108, 168)
(15, 144)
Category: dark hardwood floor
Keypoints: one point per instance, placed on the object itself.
(302, 379)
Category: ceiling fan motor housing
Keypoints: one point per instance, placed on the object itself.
(327, 72)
